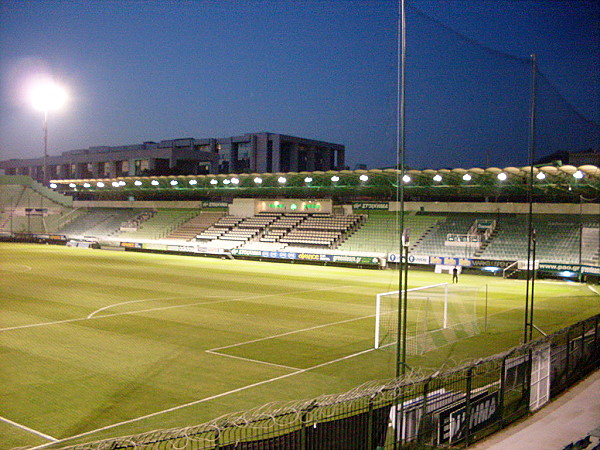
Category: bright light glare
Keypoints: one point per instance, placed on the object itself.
(137, 183)
(154, 182)
(308, 180)
(567, 274)
(335, 178)
(502, 176)
(363, 178)
(467, 177)
(226, 181)
(281, 180)
(540, 176)
(87, 185)
(173, 182)
(72, 185)
(100, 184)
(258, 180)
(437, 178)
(213, 181)
(46, 95)
(122, 183)
(115, 184)
(235, 181)
(578, 174)
(406, 179)
(193, 182)
(53, 185)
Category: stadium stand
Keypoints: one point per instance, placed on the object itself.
(434, 242)
(29, 207)
(270, 231)
(374, 235)
(196, 225)
(558, 239)
(99, 223)
(162, 222)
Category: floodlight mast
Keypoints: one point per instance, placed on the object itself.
(46, 96)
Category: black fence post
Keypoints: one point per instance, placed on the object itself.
(596, 341)
(501, 393)
(217, 439)
(303, 444)
(423, 419)
(370, 421)
(568, 358)
(468, 406)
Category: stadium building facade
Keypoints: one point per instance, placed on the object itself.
(252, 152)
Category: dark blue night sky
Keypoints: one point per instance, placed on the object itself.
(148, 71)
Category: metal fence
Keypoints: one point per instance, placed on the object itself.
(453, 408)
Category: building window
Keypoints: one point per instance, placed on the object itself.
(141, 165)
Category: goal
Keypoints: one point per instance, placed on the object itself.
(436, 315)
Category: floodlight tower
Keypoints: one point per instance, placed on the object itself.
(45, 96)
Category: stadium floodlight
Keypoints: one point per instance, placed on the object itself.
(193, 182)
(100, 184)
(335, 178)
(213, 182)
(308, 180)
(174, 183)
(154, 183)
(363, 178)
(137, 183)
(502, 176)
(46, 95)
(53, 185)
(235, 181)
(258, 180)
(540, 176)
(467, 177)
(281, 180)
(72, 185)
(579, 175)
(437, 178)
(406, 179)
(87, 185)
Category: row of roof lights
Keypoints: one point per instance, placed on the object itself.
(502, 176)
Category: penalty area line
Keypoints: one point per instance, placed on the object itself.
(206, 399)
(266, 338)
(29, 430)
(258, 361)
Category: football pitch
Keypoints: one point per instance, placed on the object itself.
(97, 344)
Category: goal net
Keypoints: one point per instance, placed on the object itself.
(436, 315)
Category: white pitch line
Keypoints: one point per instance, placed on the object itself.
(290, 332)
(29, 430)
(175, 408)
(252, 360)
(202, 400)
(139, 301)
(78, 319)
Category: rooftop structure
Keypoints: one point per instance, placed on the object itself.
(252, 152)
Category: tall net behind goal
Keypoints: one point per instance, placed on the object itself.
(437, 315)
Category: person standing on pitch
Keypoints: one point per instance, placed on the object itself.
(455, 274)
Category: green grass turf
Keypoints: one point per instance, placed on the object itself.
(91, 338)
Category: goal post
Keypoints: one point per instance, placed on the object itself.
(386, 331)
(436, 315)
